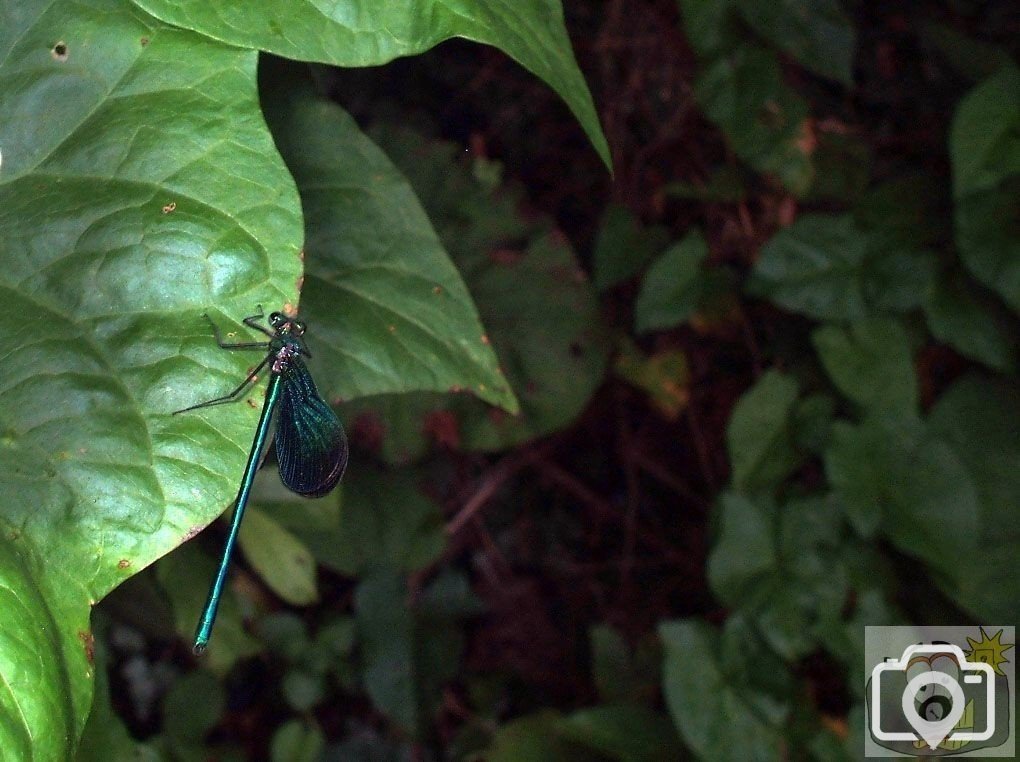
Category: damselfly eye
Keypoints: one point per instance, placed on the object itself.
(277, 319)
(298, 328)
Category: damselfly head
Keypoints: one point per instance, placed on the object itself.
(283, 324)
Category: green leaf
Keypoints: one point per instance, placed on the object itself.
(541, 313)
(408, 653)
(285, 634)
(896, 467)
(303, 688)
(297, 741)
(624, 732)
(45, 657)
(363, 33)
(842, 166)
(281, 559)
(744, 95)
(393, 312)
(336, 638)
(619, 673)
(815, 32)
(386, 635)
(99, 216)
(534, 738)
(871, 363)
(813, 585)
(780, 567)
(871, 608)
(856, 478)
(623, 246)
(896, 279)
(671, 287)
(986, 235)
(965, 319)
(718, 715)
(369, 745)
(193, 707)
(979, 418)
(385, 519)
(710, 26)
(758, 436)
(439, 636)
(983, 143)
(543, 320)
(813, 267)
(910, 209)
(829, 268)
(812, 422)
(984, 146)
(746, 548)
(300, 515)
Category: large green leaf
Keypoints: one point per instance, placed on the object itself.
(394, 314)
(984, 146)
(138, 187)
(45, 656)
(364, 33)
